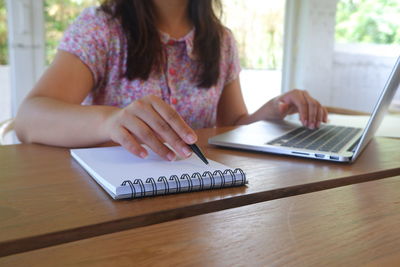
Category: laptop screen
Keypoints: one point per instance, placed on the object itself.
(380, 109)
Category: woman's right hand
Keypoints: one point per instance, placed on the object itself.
(150, 121)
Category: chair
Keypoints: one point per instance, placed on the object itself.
(5, 128)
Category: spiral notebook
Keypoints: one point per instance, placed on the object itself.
(123, 175)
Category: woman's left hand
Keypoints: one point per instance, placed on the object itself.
(311, 112)
(232, 109)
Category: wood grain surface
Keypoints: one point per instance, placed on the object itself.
(46, 198)
(347, 226)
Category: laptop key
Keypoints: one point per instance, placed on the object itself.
(339, 146)
(328, 138)
(337, 143)
(287, 137)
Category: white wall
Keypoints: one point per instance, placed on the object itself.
(5, 93)
(259, 86)
(360, 73)
(26, 46)
(309, 46)
(347, 76)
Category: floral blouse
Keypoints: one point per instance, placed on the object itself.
(100, 44)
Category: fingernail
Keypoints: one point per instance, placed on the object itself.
(190, 138)
(186, 151)
(305, 123)
(143, 155)
(171, 156)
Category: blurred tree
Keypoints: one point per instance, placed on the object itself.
(3, 34)
(273, 21)
(59, 14)
(258, 29)
(368, 21)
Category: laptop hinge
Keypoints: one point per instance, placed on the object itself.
(354, 145)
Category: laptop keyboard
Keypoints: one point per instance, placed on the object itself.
(327, 138)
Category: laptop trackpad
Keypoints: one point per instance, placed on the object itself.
(258, 133)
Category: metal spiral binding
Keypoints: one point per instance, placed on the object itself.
(201, 182)
(132, 187)
(142, 188)
(212, 179)
(174, 179)
(166, 184)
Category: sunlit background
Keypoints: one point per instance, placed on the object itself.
(363, 28)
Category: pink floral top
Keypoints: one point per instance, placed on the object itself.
(101, 45)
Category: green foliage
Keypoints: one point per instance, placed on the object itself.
(368, 21)
(357, 21)
(258, 29)
(3, 34)
(58, 16)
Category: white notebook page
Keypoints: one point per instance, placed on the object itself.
(110, 166)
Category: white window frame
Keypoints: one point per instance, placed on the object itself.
(26, 47)
(303, 46)
(309, 47)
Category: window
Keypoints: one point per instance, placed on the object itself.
(368, 21)
(58, 16)
(258, 28)
(256, 24)
(28, 46)
(367, 45)
(5, 91)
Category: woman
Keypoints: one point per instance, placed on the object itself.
(148, 72)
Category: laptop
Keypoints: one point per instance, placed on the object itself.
(329, 142)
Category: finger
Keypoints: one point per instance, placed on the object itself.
(283, 109)
(325, 119)
(127, 141)
(303, 109)
(296, 98)
(312, 114)
(163, 130)
(313, 106)
(145, 134)
(315, 121)
(320, 116)
(175, 121)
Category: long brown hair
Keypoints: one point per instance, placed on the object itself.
(137, 18)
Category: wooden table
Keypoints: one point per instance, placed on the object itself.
(347, 226)
(46, 198)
